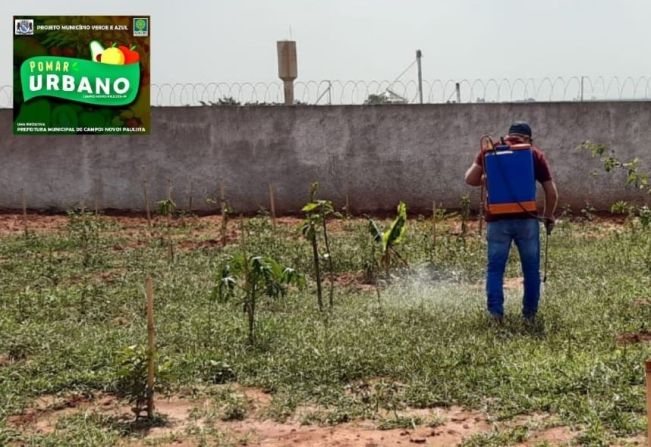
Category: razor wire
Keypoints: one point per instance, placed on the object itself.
(340, 92)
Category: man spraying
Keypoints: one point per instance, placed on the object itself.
(509, 170)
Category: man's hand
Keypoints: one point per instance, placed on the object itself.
(549, 224)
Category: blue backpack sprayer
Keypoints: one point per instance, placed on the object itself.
(510, 182)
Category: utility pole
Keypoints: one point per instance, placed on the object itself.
(457, 86)
(419, 56)
(582, 80)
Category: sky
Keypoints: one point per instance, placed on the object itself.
(235, 40)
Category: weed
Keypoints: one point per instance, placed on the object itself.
(407, 422)
(498, 438)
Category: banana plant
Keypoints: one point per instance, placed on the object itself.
(389, 238)
(316, 216)
(245, 277)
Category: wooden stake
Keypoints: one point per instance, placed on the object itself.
(97, 192)
(151, 347)
(24, 199)
(146, 194)
(190, 199)
(169, 220)
(434, 221)
(648, 401)
(272, 204)
(242, 234)
(348, 213)
(224, 210)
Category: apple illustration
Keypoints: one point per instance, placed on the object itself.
(130, 56)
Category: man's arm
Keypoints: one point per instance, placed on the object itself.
(473, 175)
(551, 199)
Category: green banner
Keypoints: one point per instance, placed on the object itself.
(80, 80)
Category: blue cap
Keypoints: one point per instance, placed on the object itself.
(521, 128)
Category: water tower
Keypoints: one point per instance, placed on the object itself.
(287, 67)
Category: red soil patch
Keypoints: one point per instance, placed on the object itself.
(460, 424)
(353, 280)
(553, 436)
(633, 337)
(184, 414)
(13, 224)
(208, 227)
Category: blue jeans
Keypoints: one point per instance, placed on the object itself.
(525, 233)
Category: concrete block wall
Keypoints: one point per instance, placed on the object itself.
(377, 155)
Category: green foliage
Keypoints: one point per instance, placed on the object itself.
(317, 213)
(131, 374)
(621, 207)
(255, 272)
(644, 214)
(406, 422)
(389, 238)
(498, 438)
(166, 207)
(252, 275)
(229, 405)
(431, 337)
(85, 232)
(376, 100)
(588, 212)
(634, 177)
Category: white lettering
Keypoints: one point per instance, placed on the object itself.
(102, 86)
(68, 83)
(125, 86)
(84, 86)
(35, 83)
(52, 82)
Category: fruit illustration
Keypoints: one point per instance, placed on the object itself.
(96, 50)
(130, 56)
(113, 56)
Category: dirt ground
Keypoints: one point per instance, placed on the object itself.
(15, 223)
(185, 416)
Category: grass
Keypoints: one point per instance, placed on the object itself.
(72, 299)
